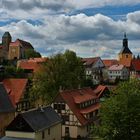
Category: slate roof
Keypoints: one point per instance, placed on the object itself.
(125, 50)
(23, 43)
(15, 88)
(5, 103)
(12, 138)
(6, 34)
(39, 119)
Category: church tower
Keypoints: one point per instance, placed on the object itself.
(125, 55)
(6, 39)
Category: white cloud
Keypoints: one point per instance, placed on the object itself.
(96, 35)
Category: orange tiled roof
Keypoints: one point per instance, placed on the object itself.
(69, 97)
(15, 88)
(110, 62)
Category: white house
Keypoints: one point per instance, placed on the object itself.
(118, 71)
(78, 109)
(94, 68)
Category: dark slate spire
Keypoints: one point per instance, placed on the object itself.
(6, 34)
(125, 48)
(125, 41)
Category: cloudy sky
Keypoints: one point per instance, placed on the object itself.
(88, 27)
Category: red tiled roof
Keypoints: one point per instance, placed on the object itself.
(83, 97)
(124, 62)
(16, 43)
(90, 61)
(110, 62)
(15, 88)
(99, 90)
(38, 60)
(69, 96)
(136, 64)
(90, 109)
(29, 65)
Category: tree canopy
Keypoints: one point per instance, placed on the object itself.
(64, 71)
(30, 53)
(120, 114)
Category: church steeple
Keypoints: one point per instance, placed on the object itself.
(125, 55)
(125, 41)
(125, 49)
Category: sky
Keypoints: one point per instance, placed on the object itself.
(89, 27)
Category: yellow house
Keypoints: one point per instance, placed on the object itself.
(7, 111)
(42, 123)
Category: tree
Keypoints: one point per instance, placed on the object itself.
(62, 70)
(12, 72)
(120, 115)
(30, 53)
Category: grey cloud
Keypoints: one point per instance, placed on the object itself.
(53, 5)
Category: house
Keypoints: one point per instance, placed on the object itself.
(7, 111)
(94, 68)
(42, 123)
(135, 68)
(17, 92)
(18, 49)
(119, 72)
(108, 63)
(125, 55)
(78, 109)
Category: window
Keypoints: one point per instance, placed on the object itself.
(48, 131)
(43, 135)
(65, 118)
(66, 131)
(59, 106)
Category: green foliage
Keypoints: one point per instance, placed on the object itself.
(62, 70)
(30, 53)
(120, 114)
(13, 72)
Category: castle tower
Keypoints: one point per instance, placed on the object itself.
(6, 39)
(125, 55)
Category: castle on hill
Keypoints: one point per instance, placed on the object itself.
(13, 50)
